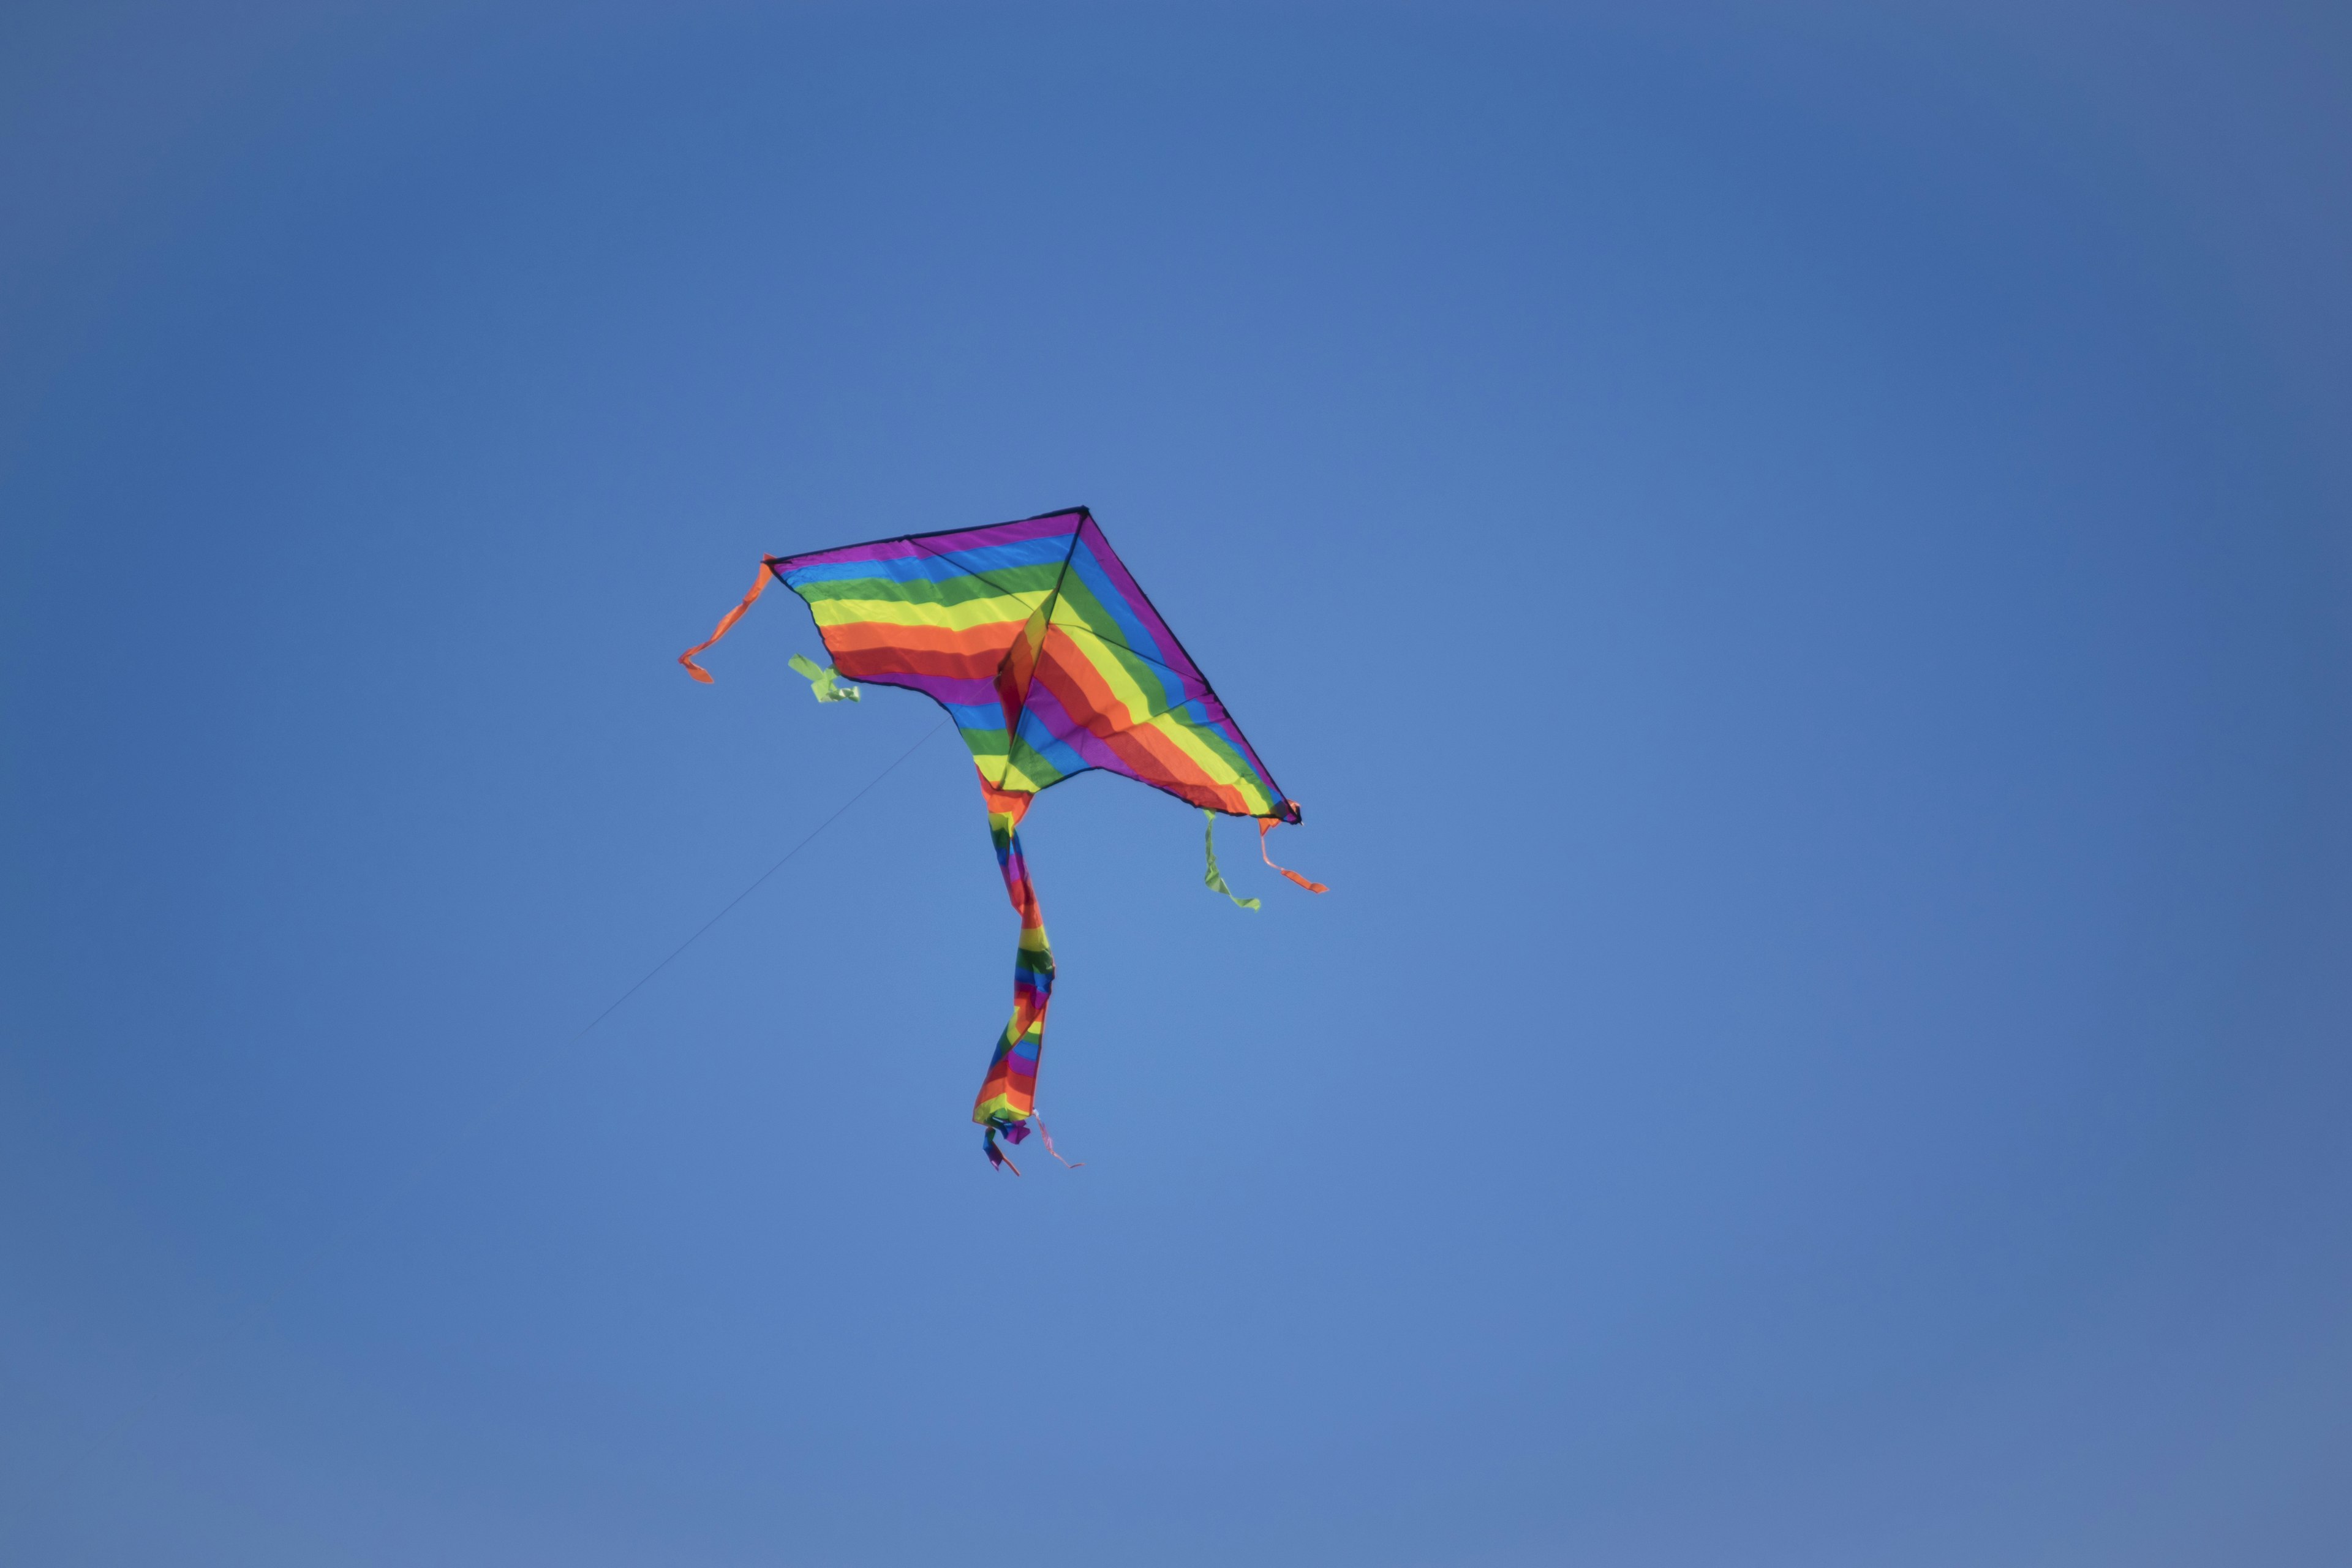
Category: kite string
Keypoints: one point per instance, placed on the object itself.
(756, 882)
(484, 1115)
(258, 1303)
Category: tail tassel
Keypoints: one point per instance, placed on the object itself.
(1266, 825)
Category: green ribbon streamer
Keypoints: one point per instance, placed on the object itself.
(823, 681)
(1216, 879)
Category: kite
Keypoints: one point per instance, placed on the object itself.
(1052, 663)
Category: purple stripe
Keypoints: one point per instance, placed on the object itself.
(1056, 524)
(1046, 711)
(1116, 570)
(953, 690)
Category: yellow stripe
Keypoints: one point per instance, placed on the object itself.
(911, 613)
(1109, 663)
(1212, 766)
(1020, 779)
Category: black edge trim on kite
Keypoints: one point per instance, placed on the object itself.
(1087, 512)
(1290, 813)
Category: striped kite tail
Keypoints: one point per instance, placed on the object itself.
(1008, 1094)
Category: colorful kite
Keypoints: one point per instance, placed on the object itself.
(1052, 662)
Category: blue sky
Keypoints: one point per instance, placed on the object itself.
(1794, 556)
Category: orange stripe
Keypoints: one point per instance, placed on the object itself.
(1169, 763)
(1012, 803)
(992, 638)
(872, 651)
(1068, 674)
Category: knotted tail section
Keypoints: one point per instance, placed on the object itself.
(1008, 1096)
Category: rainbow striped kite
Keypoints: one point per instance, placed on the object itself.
(1052, 662)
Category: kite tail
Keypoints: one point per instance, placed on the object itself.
(1266, 825)
(1008, 1096)
(725, 623)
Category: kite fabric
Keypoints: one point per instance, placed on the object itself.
(1052, 662)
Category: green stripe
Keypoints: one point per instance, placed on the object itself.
(962, 590)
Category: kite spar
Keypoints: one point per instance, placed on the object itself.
(1052, 662)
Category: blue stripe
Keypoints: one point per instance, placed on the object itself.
(1131, 630)
(927, 568)
(1064, 756)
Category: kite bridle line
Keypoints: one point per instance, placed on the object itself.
(762, 876)
(484, 1116)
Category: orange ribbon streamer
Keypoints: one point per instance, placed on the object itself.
(726, 625)
(1266, 825)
